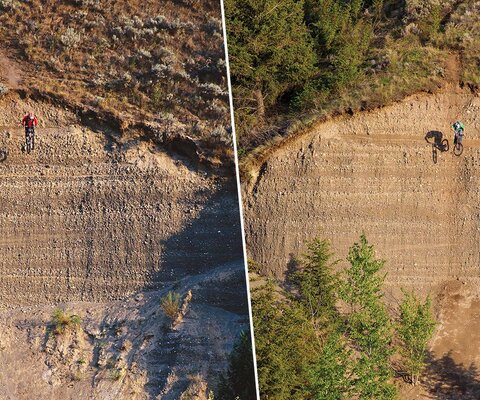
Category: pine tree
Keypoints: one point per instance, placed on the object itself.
(369, 329)
(330, 377)
(239, 382)
(415, 328)
(270, 49)
(342, 37)
(317, 283)
(286, 345)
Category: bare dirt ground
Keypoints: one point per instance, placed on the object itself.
(381, 173)
(104, 227)
(124, 349)
(9, 71)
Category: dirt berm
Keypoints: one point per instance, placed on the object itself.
(377, 172)
(104, 227)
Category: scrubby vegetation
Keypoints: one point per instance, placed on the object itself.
(62, 321)
(155, 62)
(329, 335)
(302, 60)
(170, 304)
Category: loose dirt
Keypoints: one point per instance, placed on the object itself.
(378, 172)
(105, 227)
(10, 72)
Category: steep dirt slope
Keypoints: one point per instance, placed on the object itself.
(125, 349)
(84, 218)
(377, 172)
(374, 172)
(104, 227)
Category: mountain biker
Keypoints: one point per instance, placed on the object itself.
(30, 122)
(459, 129)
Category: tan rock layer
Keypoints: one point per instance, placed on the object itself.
(374, 172)
(82, 218)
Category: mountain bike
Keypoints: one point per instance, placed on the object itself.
(457, 145)
(29, 139)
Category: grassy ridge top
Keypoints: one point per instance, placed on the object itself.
(160, 62)
(303, 60)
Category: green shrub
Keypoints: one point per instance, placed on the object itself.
(170, 304)
(115, 374)
(61, 321)
(415, 328)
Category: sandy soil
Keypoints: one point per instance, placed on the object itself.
(380, 172)
(105, 227)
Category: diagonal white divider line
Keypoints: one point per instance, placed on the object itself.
(237, 172)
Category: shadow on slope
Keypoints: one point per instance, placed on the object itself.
(448, 380)
(207, 255)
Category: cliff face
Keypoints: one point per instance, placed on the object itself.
(104, 227)
(374, 172)
(85, 217)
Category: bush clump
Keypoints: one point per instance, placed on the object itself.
(62, 321)
(170, 304)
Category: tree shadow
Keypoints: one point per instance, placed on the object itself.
(447, 380)
(293, 266)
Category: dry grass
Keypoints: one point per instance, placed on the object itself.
(137, 59)
(62, 321)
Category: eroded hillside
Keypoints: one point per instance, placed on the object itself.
(375, 172)
(141, 64)
(105, 226)
(126, 200)
(80, 193)
(378, 172)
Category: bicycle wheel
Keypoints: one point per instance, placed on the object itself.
(458, 149)
(445, 145)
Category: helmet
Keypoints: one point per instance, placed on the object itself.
(30, 115)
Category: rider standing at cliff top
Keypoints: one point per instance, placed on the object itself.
(29, 120)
